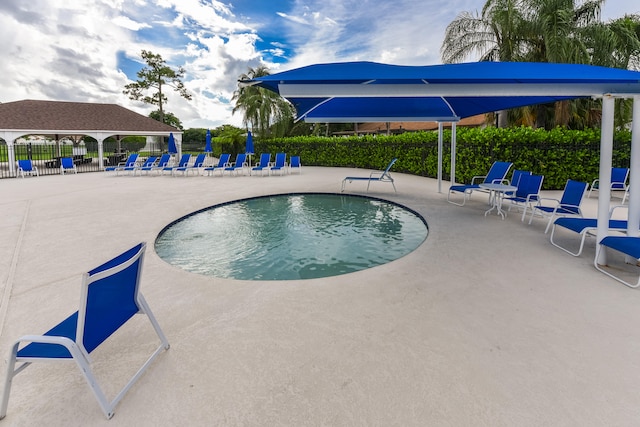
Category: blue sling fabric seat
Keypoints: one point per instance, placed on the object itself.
(568, 205)
(584, 227)
(239, 165)
(26, 167)
(528, 193)
(263, 165)
(280, 164)
(223, 162)
(627, 245)
(128, 165)
(109, 298)
(497, 175)
(195, 167)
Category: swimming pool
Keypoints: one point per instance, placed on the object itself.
(291, 236)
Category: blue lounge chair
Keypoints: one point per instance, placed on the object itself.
(527, 194)
(25, 167)
(280, 164)
(263, 165)
(149, 162)
(295, 165)
(164, 162)
(223, 162)
(627, 245)
(619, 178)
(147, 166)
(584, 227)
(67, 165)
(184, 162)
(568, 205)
(379, 176)
(195, 167)
(110, 296)
(129, 164)
(497, 175)
(239, 165)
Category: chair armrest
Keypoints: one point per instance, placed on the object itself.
(473, 180)
(540, 199)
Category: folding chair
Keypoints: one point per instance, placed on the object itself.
(109, 298)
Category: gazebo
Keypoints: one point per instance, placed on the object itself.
(60, 119)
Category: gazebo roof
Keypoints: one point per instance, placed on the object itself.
(76, 118)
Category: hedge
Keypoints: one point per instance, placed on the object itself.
(558, 154)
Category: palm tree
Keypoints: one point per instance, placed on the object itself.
(262, 107)
(568, 31)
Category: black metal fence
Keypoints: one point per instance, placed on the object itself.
(46, 157)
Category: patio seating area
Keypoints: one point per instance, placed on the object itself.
(486, 323)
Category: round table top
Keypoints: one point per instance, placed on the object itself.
(498, 187)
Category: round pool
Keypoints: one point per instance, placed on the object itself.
(291, 236)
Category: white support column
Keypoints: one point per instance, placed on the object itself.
(440, 138)
(11, 153)
(453, 152)
(633, 227)
(100, 153)
(604, 186)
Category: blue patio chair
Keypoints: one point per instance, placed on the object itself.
(148, 164)
(527, 194)
(239, 165)
(162, 163)
(568, 205)
(619, 177)
(295, 165)
(67, 165)
(26, 167)
(497, 175)
(183, 163)
(280, 164)
(129, 164)
(223, 162)
(263, 165)
(627, 245)
(379, 176)
(110, 296)
(584, 227)
(195, 167)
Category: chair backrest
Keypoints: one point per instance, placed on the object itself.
(386, 171)
(25, 165)
(497, 172)
(529, 184)
(281, 159)
(516, 176)
(184, 160)
(240, 159)
(66, 163)
(295, 161)
(224, 159)
(131, 161)
(573, 193)
(151, 160)
(200, 160)
(109, 297)
(265, 159)
(164, 160)
(619, 177)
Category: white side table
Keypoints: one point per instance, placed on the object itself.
(497, 193)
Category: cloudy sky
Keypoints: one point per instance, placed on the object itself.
(88, 50)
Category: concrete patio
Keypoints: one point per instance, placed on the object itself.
(485, 324)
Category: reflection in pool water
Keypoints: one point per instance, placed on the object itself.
(293, 236)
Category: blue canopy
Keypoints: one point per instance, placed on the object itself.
(369, 91)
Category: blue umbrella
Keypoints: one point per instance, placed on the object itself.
(207, 147)
(249, 146)
(172, 145)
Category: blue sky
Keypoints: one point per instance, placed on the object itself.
(88, 50)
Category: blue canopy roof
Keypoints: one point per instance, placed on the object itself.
(368, 91)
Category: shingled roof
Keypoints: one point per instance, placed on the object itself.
(48, 117)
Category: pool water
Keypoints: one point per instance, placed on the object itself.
(292, 236)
